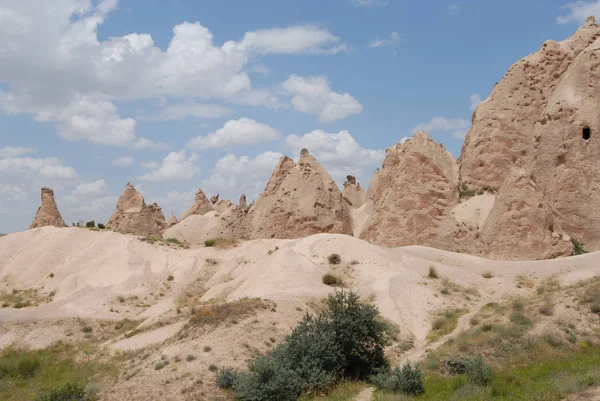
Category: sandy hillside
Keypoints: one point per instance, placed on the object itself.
(103, 276)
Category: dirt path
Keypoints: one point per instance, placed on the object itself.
(365, 395)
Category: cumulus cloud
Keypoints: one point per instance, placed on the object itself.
(122, 161)
(393, 39)
(90, 189)
(338, 152)
(145, 143)
(475, 100)
(176, 166)
(151, 165)
(457, 126)
(12, 192)
(234, 175)
(15, 151)
(244, 131)
(196, 110)
(313, 95)
(174, 201)
(48, 168)
(578, 11)
(59, 71)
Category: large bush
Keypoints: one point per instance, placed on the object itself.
(346, 340)
(478, 372)
(407, 380)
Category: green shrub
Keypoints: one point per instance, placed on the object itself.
(334, 259)
(457, 365)
(520, 319)
(433, 273)
(578, 247)
(227, 377)
(407, 380)
(67, 392)
(332, 280)
(466, 192)
(175, 241)
(90, 224)
(101, 226)
(478, 372)
(345, 340)
(209, 242)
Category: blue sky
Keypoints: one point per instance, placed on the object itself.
(177, 95)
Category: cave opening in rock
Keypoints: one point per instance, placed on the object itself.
(587, 133)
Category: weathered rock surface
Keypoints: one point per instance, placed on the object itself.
(299, 200)
(418, 185)
(199, 206)
(372, 186)
(214, 199)
(133, 216)
(353, 194)
(47, 214)
(243, 203)
(172, 220)
(222, 205)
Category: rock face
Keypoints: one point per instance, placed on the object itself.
(214, 199)
(199, 206)
(417, 187)
(133, 216)
(353, 194)
(172, 220)
(47, 214)
(372, 186)
(299, 200)
(243, 203)
(222, 205)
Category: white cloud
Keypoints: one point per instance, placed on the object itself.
(122, 161)
(197, 110)
(12, 192)
(369, 3)
(579, 11)
(59, 71)
(176, 167)
(244, 131)
(458, 126)
(174, 201)
(261, 69)
(475, 100)
(12, 151)
(90, 189)
(291, 40)
(339, 153)
(393, 39)
(314, 96)
(234, 175)
(49, 168)
(145, 143)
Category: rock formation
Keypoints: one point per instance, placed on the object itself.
(47, 214)
(372, 186)
(353, 194)
(199, 206)
(299, 200)
(243, 203)
(417, 187)
(214, 199)
(222, 205)
(133, 216)
(172, 220)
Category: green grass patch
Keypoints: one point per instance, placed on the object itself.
(26, 375)
(346, 390)
(445, 322)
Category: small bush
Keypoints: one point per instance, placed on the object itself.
(209, 242)
(174, 241)
(520, 319)
(213, 368)
(90, 224)
(190, 358)
(487, 274)
(207, 348)
(578, 247)
(433, 273)
(227, 377)
(552, 339)
(407, 380)
(334, 259)
(332, 280)
(466, 192)
(87, 329)
(221, 243)
(101, 226)
(457, 365)
(170, 278)
(478, 372)
(547, 308)
(518, 304)
(67, 392)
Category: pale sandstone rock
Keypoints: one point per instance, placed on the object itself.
(47, 214)
(222, 205)
(199, 206)
(417, 188)
(299, 200)
(172, 220)
(243, 203)
(214, 199)
(521, 223)
(372, 186)
(133, 216)
(353, 194)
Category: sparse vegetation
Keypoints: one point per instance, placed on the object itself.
(466, 192)
(226, 377)
(90, 224)
(174, 241)
(170, 278)
(488, 274)
(445, 323)
(334, 259)
(345, 340)
(220, 242)
(101, 226)
(226, 311)
(433, 273)
(578, 247)
(23, 298)
(332, 280)
(407, 380)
